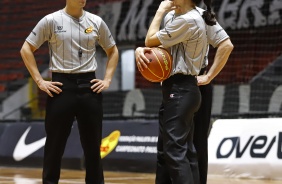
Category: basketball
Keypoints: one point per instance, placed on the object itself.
(160, 65)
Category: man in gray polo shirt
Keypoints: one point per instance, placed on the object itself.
(74, 92)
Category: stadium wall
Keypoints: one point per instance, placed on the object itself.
(250, 81)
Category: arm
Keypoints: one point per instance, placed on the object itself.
(100, 85)
(26, 52)
(222, 54)
(151, 38)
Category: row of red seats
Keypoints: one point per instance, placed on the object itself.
(11, 65)
(11, 76)
(16, 65)
(2, 87)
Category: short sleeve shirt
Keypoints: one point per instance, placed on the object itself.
(188, 39)
(67, 36)
(216, 34)
(186, 36)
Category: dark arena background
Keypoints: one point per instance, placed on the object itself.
(247, 94)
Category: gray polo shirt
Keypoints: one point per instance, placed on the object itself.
(188, 37)
(67, 36)
(216, 34)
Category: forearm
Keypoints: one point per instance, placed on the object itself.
(111, 64)
(154, 27)
(221, 57)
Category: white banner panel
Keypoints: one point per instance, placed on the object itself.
(246, 148)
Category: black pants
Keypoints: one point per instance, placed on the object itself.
(201, 132)
(75, 101)
(176, 157)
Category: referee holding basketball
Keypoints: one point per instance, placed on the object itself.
(74, 91)
(185, 34)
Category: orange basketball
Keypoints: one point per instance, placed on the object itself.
(160, 65)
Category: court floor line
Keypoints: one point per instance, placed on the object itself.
(129, 178)
(70, 181)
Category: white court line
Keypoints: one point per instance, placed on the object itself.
(130, 178)
(64, 180)
(18, 179)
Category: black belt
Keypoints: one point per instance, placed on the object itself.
(76, 75)
(181, 77)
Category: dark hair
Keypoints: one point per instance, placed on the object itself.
(209, 15)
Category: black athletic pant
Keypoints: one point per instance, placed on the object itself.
(176, 157)
(75, 101)
(201, 132)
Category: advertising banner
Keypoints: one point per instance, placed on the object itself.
(136, 147)
(21, 144)
(126, 145)
(246, 148)
(243, 148)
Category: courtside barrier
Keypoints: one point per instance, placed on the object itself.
(21, 144)
(243, 148)
(246, 148)
(126, 145)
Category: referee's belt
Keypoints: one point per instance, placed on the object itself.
(75, 75)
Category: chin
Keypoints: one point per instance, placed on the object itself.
(82, 5)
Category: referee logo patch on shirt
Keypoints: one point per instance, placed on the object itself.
(89, 30)
(60, 29)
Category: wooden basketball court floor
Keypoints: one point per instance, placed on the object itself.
(33, 176)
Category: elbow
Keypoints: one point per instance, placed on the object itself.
(227, 46)
(152, 42)
(147, 43)
(26, 49)
(230, 46)
(22, 51)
